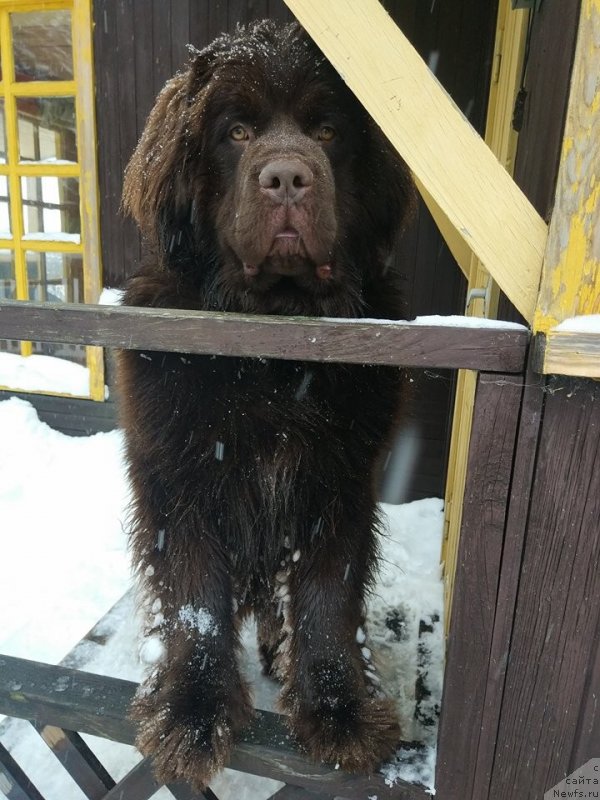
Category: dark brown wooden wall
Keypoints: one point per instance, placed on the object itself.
(520, 710)
(139, 44)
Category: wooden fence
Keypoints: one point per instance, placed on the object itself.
(60, 702)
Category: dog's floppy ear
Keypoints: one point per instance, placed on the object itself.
(160, 179)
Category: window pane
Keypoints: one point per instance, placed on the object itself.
(51, 208)
(7, 275)
(55, 277)
(2, 133)
(47, 130)
(42, 46)
(5, 229)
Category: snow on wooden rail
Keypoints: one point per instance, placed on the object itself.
(491, 348)
(81, 701)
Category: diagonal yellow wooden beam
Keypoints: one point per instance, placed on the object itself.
(447, 156)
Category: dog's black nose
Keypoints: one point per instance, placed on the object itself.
(286, 180)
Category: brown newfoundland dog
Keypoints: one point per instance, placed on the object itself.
(261, 186)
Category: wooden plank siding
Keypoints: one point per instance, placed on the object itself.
(520, 708)
(549, 691)
(493, 437)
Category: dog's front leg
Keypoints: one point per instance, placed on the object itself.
(330, 689)
(194, 699)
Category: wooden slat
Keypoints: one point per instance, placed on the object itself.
(445, 153)
(98, 705)
(138, 784)
(512, 554)
(554, 646)
(14, 784)
(77, 758)
(183, 791)
(268, 336)
(479, 560)
(570, 283)
(569, 353)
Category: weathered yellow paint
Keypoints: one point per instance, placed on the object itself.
(481, 201)
(570, 284)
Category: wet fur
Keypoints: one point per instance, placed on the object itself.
(254, 480)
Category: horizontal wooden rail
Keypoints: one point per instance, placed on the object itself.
(88, 703)
(296, 338)
(562, 352)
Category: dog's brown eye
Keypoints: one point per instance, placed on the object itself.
(326, 133)
(239, 134)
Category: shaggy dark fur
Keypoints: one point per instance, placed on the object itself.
(261, 185)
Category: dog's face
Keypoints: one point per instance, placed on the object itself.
(262, 174)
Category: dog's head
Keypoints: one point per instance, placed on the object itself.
(262, 178)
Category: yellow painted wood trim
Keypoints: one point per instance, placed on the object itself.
(83, 60)
(12, 152)
(28, 169)
(4, 388)
(41, 88)
(21, 6)
(51, 246)
(445, 153)
(570, 353)
(570, 283)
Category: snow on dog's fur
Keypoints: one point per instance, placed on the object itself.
(261, 185)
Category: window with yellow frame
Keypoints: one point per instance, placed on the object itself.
(49, 240)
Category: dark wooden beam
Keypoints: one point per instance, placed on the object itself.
(14, 784)
(491, 453)
(295, 338)
(98, 705)
(79, 761)
(547, 722)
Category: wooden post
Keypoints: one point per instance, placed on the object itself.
(570, 284)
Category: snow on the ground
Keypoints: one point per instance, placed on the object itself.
(65, 564)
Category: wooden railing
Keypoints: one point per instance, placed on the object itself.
(59, 701)
(490, 349)
(93, 704)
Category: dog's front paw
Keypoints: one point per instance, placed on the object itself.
(356, 740)
(189, 740)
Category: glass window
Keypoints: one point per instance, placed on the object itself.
(7, 275)
(45, 254)
(42, 46)
(47, 129)
(5, 229)
(55, 277)
(51, 208)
